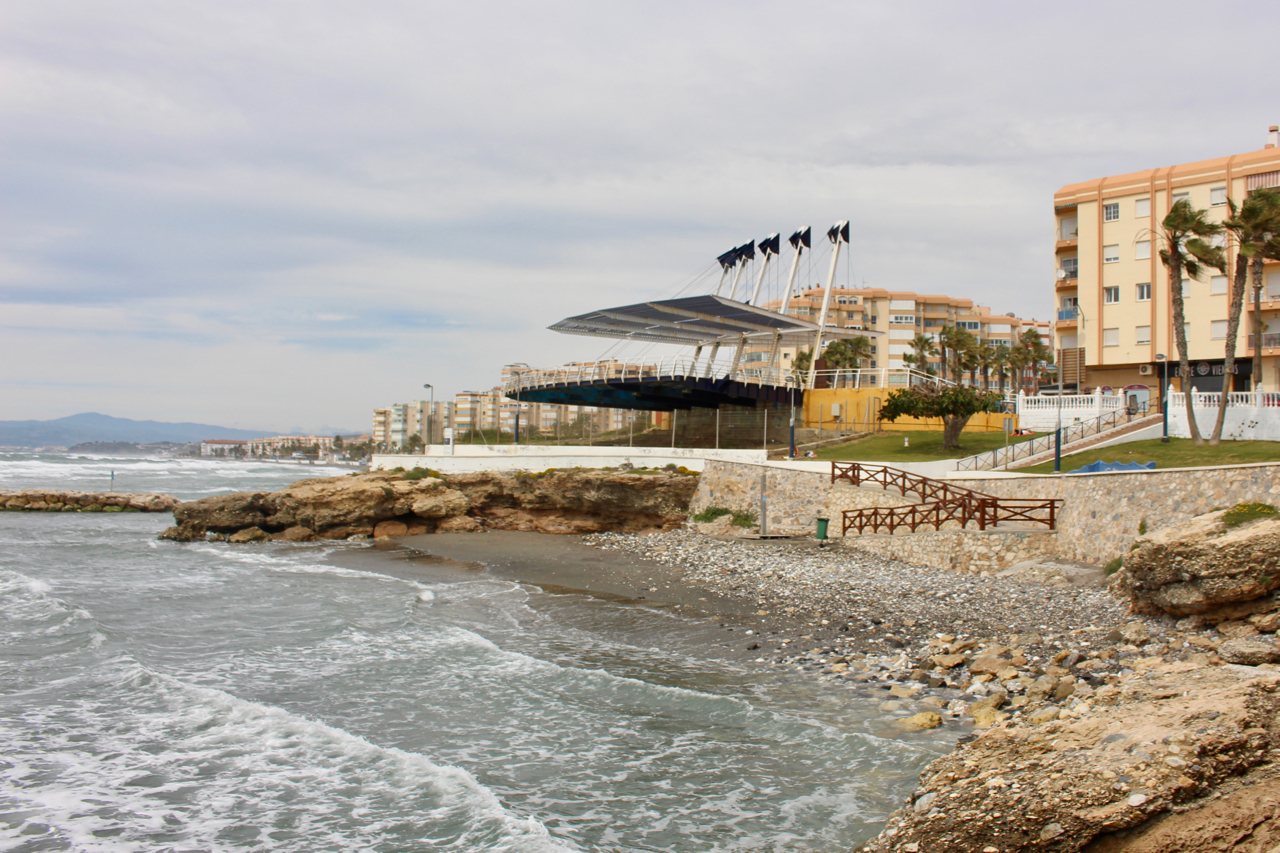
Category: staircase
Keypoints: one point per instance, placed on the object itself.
(941, 503)
(1082, 445)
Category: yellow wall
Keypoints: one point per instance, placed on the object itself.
(853, 416)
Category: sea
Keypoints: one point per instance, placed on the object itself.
(158, 696)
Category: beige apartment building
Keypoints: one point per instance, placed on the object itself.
(900, 316)
(1114, 304)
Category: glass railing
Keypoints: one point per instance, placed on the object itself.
(1067, 314)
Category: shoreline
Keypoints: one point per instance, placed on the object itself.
(1084, 724)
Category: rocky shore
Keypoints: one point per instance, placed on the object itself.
(384, 504)
(1083, 725)
(56, 500)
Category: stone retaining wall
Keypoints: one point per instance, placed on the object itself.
(1101, 512)
(46, 500)
(1098, 521)
(968, 551)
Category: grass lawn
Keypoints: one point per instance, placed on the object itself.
(925, 447)
(1178, 453)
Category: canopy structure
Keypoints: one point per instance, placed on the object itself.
(711, 322)
(699, 321)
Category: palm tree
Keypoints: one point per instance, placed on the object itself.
(922, 346)
(801, 363)
(1184, 251)
(950, 338)
(1001, 363)
(961, 342)
(1253, 225)
(986, 361)
(1036, 353)
(848, 353)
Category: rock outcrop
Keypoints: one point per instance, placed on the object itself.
(58, 500)
(1206, 570)
(383, 504)
(1175, 739)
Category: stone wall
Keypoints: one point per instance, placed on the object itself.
(968, 551)
(1101, 512)
(795, 498)
(1098, 520)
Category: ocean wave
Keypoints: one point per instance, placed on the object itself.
(195, 765)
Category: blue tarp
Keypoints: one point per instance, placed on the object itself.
(1095, 467)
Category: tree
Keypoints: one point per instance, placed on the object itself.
(414, 444)
(986, 361)
(848, 353)
(922, 347)
(337, 442)
(801, 363)
(1185, 250)
(954, 404)
(1000, 363)
(962, 343)
(1253, 225)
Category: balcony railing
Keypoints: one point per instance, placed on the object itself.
(1068, 314)
(1269, 340)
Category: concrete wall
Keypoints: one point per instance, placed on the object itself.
(464, 458)
(1098, 521)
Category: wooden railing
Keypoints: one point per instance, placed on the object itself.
(941, 502)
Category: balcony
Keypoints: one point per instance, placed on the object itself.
(1068, 314)
(1270, 340)
(1064, 245)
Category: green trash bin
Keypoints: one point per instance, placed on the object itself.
(822, 527)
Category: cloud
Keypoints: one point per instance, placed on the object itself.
(275, 213)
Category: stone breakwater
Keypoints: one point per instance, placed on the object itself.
(389, 503)
(46, 500)
(1080, 724)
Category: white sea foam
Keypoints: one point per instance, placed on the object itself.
(197, 766)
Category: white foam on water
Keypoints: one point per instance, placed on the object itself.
(193, 766)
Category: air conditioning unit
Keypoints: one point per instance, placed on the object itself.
(1145, 370)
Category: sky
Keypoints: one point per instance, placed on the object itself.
(281, 215)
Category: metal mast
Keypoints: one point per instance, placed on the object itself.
(837, 234)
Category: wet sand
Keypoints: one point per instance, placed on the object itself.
(565, 565)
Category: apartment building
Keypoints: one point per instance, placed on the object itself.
(900, 316)
(275, 444)
(393, 426)
(1114, 303)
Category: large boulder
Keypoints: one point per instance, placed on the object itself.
(1205, 569)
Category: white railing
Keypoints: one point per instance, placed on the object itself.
(1235, 399)
(689, 367)
(1068, 402)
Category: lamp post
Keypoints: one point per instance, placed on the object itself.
(1164, 395)
(431, 415)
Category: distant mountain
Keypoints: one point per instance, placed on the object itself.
(91, 426)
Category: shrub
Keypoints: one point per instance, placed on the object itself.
(422, 474)
(670, 466)
(1245, 512)
(744, 519)
(1142, 527)
(1114, 566)
(711, 513)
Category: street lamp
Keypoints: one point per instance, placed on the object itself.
(431, 415)
(1164, 394)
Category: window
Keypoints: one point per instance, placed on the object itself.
(903, 319)
(1218, 330)
(1144, 293)
(1144, 335)
(1142, 208)
(1111, 337)
(1142, 249)
(1111, 254)
(1069, 302)
(900, 304)
(1110, 212)
(1177, 197)
(1218, 285)
(1071, 266)
(971, 325)
(1273, 286)
(1110, 295)
(1218, 196)
(1067, 229)
(1186, 288)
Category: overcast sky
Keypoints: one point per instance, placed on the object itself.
(277, 214)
